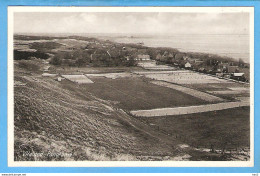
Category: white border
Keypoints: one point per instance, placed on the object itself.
(12, 163)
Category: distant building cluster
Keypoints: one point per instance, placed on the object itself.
(220, 68)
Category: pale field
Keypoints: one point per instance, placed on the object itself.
(80, 79)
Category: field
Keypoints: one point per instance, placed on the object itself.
(135, 93)
(219, 128)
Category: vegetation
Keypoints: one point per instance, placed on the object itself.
(218, 129)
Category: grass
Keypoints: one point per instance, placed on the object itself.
(135, 93)
(226, 128)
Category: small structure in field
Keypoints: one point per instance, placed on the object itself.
(142, 57)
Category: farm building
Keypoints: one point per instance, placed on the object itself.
(142, 57)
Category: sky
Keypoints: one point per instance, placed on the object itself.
(131, 22)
